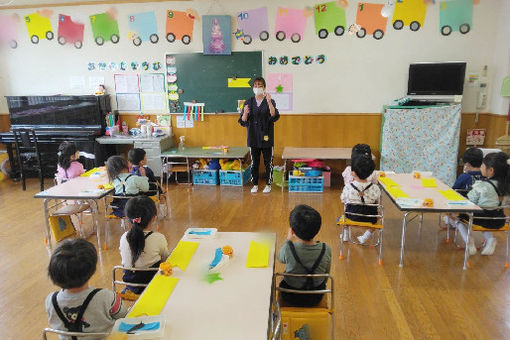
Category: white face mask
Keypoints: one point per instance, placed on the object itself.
(258, 91)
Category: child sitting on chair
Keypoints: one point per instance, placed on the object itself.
(301, 254)
(358, 150)
(68, 165)
(78, 307)
(140, 247)
(472, 159)
(488, 192)
(359, 192)
(138, 159)
(125, 184)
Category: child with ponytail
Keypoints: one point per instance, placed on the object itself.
(140, 247)
(488, 193)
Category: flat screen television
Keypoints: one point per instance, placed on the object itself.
(436, 78)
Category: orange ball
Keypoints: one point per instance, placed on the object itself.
(227, 250)
(382, 174)
(166, 268)
(416, 175)
(428, 202)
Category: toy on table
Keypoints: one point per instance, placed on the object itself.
(416, 175)
(100, 90)
(201, 232)
(428, 202)
(166, 268)
(382, 174)
(221, 258)
(220, 147)
(125, 128)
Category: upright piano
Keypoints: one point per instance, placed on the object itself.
(56, 119)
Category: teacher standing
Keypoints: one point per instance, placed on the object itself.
(259, 114)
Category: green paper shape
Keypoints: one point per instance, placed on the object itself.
(104, 27)
(329, 16)
(211, 277)
(279, 89)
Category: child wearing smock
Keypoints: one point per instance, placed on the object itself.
(488, 193)
(302, 254)
(140, 247)
(78, 307)
(68, 165)
(125, 184)
(361, 191)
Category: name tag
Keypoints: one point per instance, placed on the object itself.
(266, 138)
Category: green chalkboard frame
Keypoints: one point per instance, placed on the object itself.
(203, 78)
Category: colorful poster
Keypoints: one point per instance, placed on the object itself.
(216, 34)
(253, 24)
(371, 21)
(279, 82)
(39, 26)
(455, 16)
(104, 27)
(290, 23)
(409, 13)
(143, 27)
(179, 26)
(329, 18)
(9, 30)
(69, 32)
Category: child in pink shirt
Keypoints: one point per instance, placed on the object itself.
(68, 165)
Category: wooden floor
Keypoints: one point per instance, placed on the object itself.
(430, 297)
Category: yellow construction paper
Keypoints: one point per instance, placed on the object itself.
(388, 182)
(154, 297)
(182, 254)
(397, 192)
(92, 171)
(239, 82)
(428, 183)
(451, 195)
(258, 255)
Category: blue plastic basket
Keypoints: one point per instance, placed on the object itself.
(234, 178)
(205, 177)
(306, 184)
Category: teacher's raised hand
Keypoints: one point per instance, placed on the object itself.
(268, 97)
(246, 112)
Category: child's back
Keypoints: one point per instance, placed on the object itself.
(100, 315)
(472, 159)
(302, 255)
(308, 256)
(155, 250)
(68, 165)
(78, 307)
(127, 184)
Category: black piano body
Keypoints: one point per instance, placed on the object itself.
(59, 118)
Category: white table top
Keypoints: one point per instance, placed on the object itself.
(235, 308)
(414, 189)
(78, 187)
(121, 139)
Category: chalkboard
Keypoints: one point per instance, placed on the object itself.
(204, 79)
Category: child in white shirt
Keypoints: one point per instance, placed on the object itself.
(359, 192)
(357, 150)
(140, 247)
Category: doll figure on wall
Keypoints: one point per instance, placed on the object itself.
(217, 45)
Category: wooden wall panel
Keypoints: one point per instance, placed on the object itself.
(334, 130)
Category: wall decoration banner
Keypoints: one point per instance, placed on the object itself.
(179, 26)
(143, 27)
(253, 24)
(69, 32)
